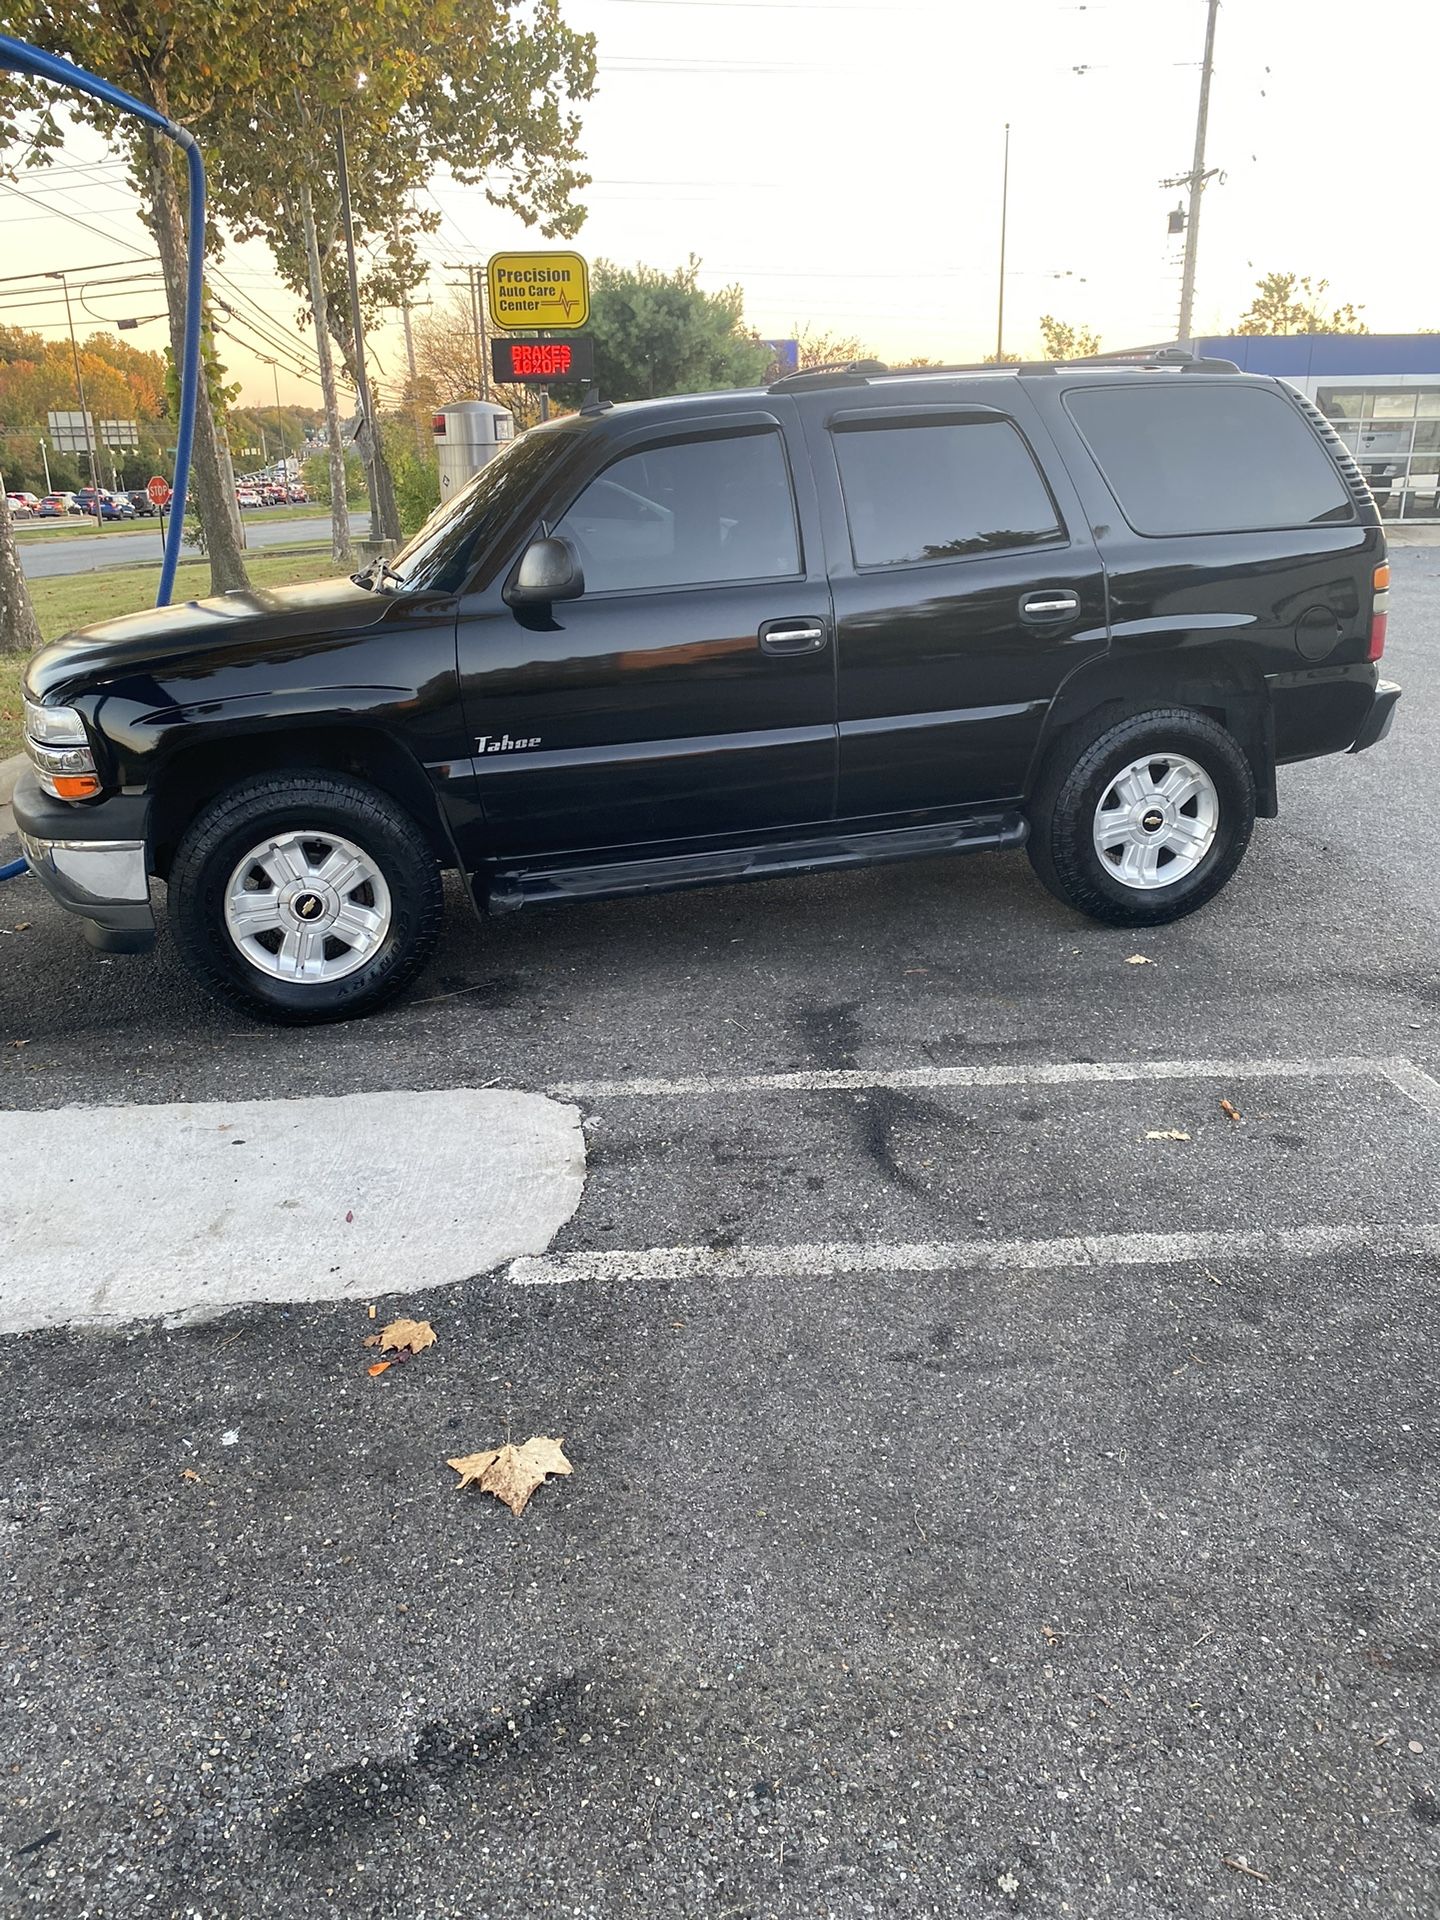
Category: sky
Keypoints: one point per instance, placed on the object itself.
(842, 163)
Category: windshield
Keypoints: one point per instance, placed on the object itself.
(441, 552)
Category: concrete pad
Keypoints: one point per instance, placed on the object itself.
(114, 1213)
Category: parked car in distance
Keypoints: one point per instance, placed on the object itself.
(22, 505)
(297, 496)
(143, 506)
(247, 497)
(273, 496)
(854, 617)
(56, 505)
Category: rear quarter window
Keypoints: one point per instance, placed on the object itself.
(1208, 457)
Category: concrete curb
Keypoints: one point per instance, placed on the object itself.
(10, 772)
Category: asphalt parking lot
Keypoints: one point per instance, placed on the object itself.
(983, 1501)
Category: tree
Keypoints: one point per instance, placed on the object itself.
(1001, 360)
(1293, 303)
(19, 629)
(176, 59)
(820, 349)
(658, 332)
(464, 82)
(1063, 341)
(448, 370)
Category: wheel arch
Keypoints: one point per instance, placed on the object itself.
(200, 772)
(1218, 681)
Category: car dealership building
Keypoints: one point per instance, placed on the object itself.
(1381, 391)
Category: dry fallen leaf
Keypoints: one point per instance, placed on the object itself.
(371, 1340)
(189, 1474)
(414, 1334)
(1230, 1113)
(513, 1473)
(380, 1366)
(1053, 1635)
(1166, 1133)
(1139, 960)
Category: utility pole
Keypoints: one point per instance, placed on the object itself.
(362, 379)
(1196, 182)
(473, 274)
(1004, 218)
(279, 422)
(45, 462)
(80, 390)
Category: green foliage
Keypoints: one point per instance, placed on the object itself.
(658, 333)
(316, 475)
(1293, 303)
(1065, 341)
(417, 490)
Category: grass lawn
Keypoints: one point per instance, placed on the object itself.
(66, 601)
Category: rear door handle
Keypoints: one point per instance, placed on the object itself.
(782, 637)
(1049, 608)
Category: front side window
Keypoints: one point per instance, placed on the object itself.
(688, 513)
(1208, 457)
(924, 490)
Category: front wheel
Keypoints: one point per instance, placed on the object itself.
(1143, 819)
(305, 897)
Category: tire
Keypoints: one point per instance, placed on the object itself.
(1102, 783)
(364, 942)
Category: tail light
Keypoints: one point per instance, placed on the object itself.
(1379, 611)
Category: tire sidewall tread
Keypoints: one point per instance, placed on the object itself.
(218, 837)
(1077, 771)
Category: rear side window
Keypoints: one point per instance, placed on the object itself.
(688, 513)
(1208, 457)
(940, 489)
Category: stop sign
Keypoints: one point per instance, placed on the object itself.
(158, 490)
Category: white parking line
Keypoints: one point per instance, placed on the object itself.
(969, 1256)
(110, 1213)
(1404, 1075)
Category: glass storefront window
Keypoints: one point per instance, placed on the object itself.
(1427, 402)
(1392, 405)
(1341, 405)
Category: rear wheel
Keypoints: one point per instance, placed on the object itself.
(1142, 818)
(305, 897)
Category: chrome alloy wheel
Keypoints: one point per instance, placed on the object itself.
(1156, 821)
(307, 907)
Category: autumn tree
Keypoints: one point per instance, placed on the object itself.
(490, 94)
(1293, 303)
(1065, 341)
(19, 629)
(817, 348)
(179, 59)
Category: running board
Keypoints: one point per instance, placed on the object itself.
(510, 888)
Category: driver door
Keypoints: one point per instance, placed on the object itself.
(689, 693)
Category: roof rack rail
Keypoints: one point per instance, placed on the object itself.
(834, 373)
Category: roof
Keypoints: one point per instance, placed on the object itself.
(1304, 356)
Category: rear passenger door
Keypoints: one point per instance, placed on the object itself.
(966, 588)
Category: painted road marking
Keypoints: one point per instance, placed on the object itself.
(110, 1213)
(970, 1256)
(1412, 1081)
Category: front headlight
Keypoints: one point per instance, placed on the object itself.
(59, 750)
(54, 726)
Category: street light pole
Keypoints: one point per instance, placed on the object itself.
(80, 389)
(1004, 218)
(1197, 185)
(279, 423)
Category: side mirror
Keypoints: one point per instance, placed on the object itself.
(549, 570)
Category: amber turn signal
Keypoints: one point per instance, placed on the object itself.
(74, 786)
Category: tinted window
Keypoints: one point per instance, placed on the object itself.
(935, 490)
(687, 513)
(442, 551)
(1208, 457)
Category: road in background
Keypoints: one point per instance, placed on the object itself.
(87, 553)
(985, 1501)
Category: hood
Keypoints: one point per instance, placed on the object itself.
(229, 626)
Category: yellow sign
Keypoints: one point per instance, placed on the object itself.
(535, 290)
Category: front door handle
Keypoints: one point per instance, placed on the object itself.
(1049, 608)
(782, 637)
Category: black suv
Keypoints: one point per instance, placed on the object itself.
(854, 616)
